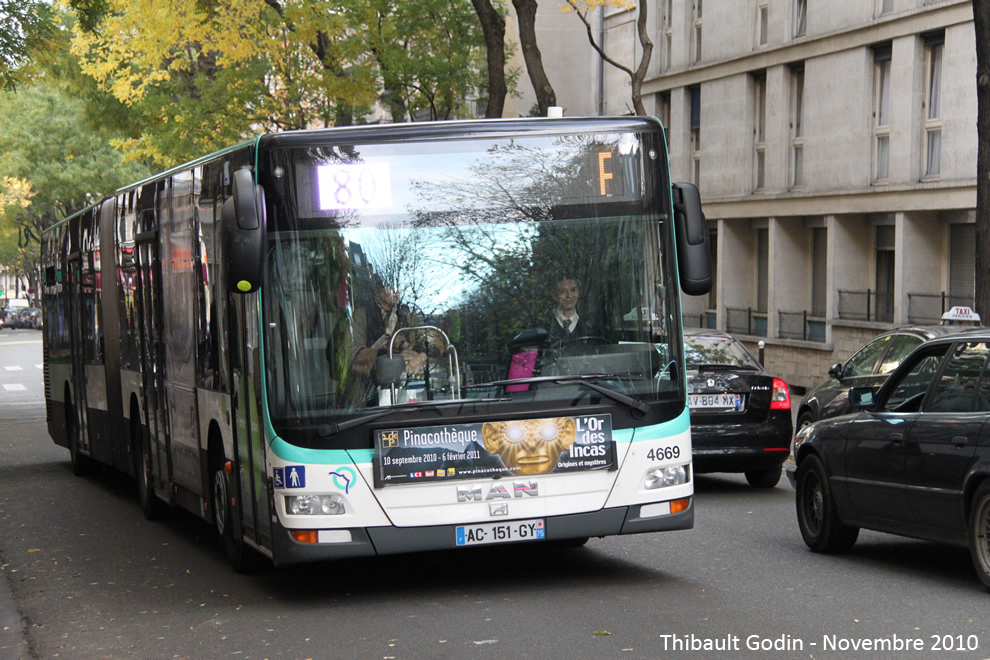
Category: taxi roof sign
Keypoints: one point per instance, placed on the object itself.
(961, 314)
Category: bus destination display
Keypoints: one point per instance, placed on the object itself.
(493, 449)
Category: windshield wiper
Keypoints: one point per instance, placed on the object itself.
(330, 430)
(579, 379)
(723, 367)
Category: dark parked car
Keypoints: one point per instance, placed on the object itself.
(868, 367)
(740, 414)
(27, 317)
(913, 460)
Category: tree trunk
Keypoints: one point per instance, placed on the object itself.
(493, 26)
(981, 19)
(526, 15)
(644, 62)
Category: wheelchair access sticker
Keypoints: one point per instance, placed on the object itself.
(290, 476)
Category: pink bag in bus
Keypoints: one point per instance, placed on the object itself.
(521, 366)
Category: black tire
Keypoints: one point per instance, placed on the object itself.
(805, 419)
(979, 532)
(765, 478)
(151, 506)
(82, 465)
(817, 515)
(242, 558)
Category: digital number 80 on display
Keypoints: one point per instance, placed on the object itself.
(354, 186)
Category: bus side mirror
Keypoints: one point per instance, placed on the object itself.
(694, 257)
(242, 227)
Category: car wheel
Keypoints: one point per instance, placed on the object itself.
(765, 478)
(817, 515)
(805, 419)
(979, 532)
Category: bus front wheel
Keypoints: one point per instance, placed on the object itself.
(242, 558)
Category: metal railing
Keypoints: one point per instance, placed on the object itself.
(924, 308)
(745, 321)
(797, 325)
(866, 305)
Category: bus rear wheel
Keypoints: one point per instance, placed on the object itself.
(82, 465)
(152, 507)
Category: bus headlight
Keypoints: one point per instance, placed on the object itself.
(661, 477)
(314, 505)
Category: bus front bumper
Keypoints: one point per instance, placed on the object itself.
(370, 541)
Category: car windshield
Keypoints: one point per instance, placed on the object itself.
(713, 350)
(451, 265)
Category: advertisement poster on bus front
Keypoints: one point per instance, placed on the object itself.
(511, 448)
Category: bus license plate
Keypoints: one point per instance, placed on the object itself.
(517, 530)
(715, 401)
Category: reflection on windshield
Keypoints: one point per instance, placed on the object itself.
(367, 311)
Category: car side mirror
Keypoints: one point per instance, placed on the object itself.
(862, 398)
(835, 371)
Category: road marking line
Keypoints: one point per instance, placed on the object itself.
(14, 368)
(16, 387)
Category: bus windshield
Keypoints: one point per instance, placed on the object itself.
(438, 270)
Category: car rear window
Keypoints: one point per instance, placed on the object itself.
(701, 350)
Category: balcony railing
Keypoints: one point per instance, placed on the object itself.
(866, 305)
(797, 325)
(745, 321)
(927, 308)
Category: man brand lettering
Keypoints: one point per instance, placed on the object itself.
(498, 491)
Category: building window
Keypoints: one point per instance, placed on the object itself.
(885, 272)
(697, 31)
(934, 47)
(800, 18)
(819, 271)
(762, 270)
(962, 264)
(663, 111)
(881, 112)
(762, 22)
(696, 135)
(713, 246)
(797, 126)
(667, 30)
(760, 126)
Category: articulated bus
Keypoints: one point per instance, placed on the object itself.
(341, 342)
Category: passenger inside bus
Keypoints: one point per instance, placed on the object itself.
(373, 327)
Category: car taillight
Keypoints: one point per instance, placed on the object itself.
(780, 399)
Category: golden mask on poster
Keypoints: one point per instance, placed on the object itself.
(530, 446)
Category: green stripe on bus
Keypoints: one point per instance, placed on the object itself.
(293, 454)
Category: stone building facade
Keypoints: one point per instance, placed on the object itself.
(834, 144)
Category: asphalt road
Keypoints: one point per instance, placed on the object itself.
(85, 576)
